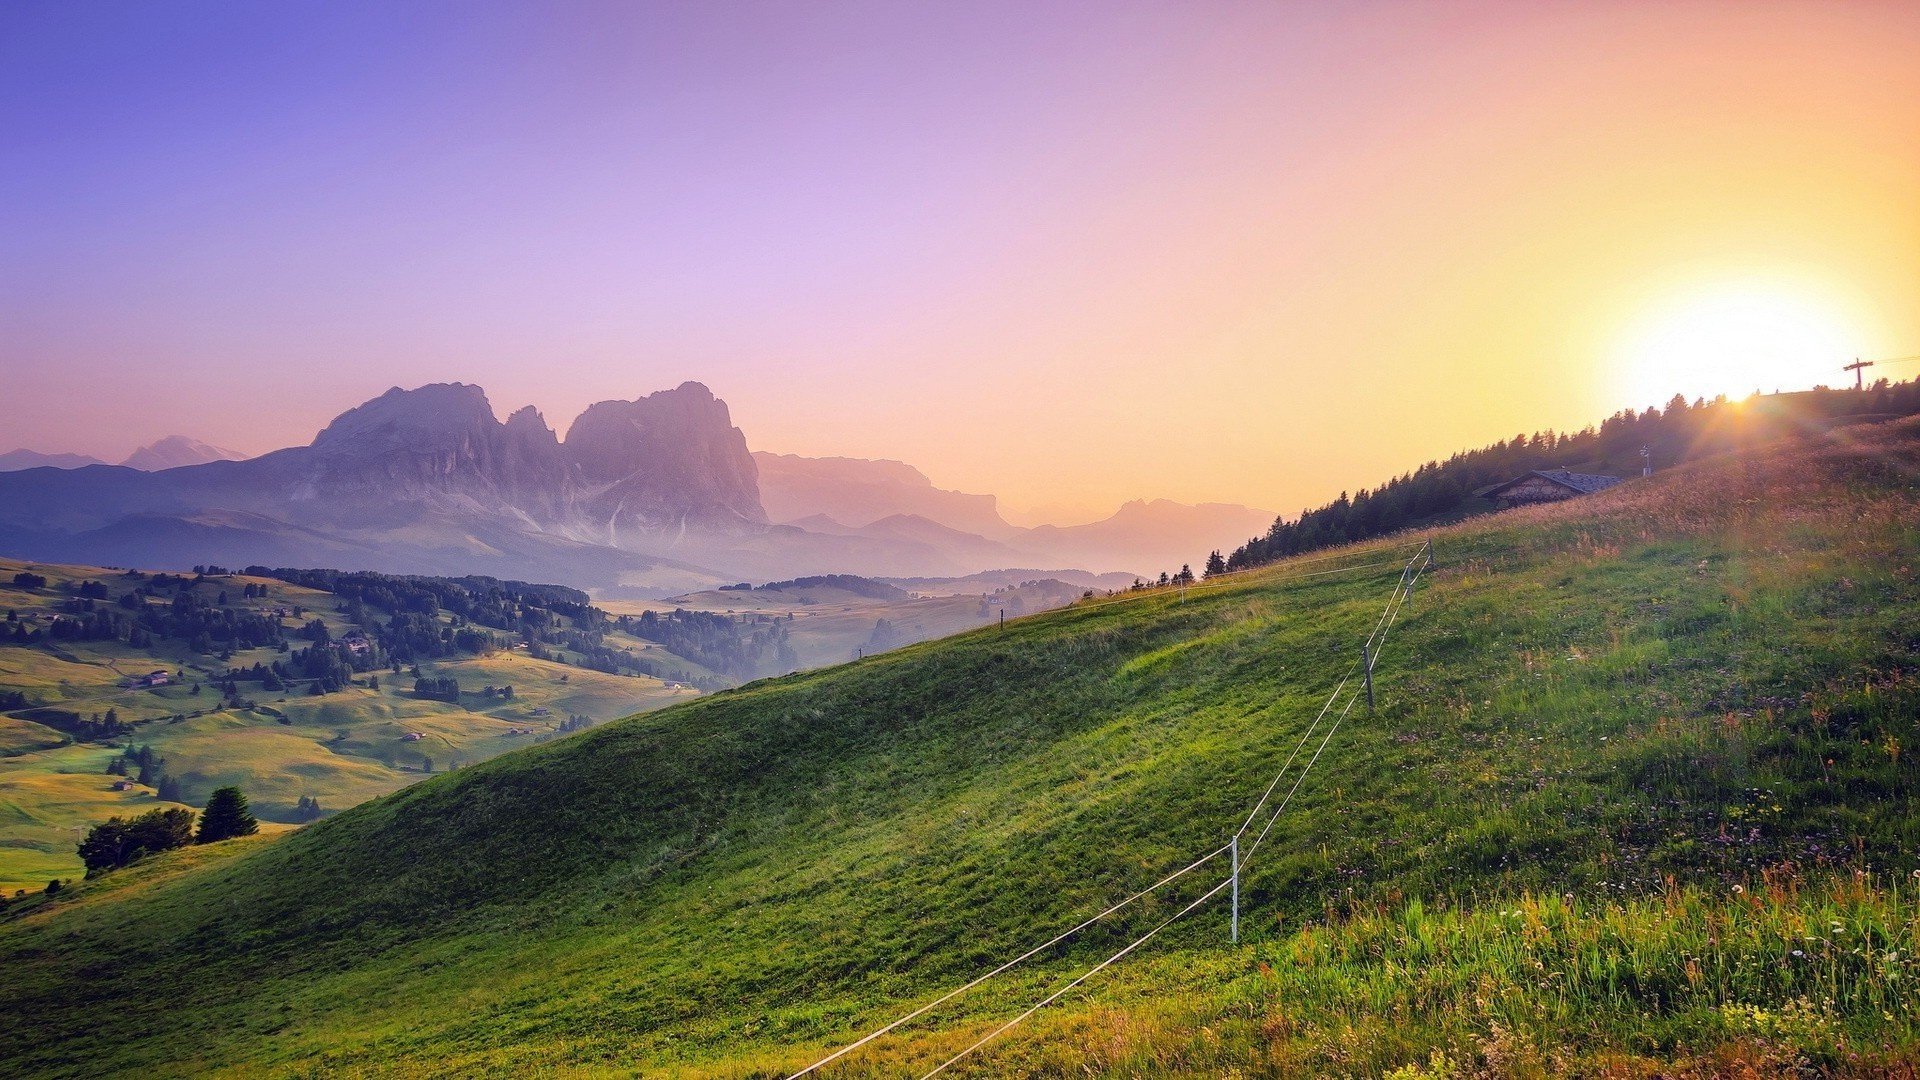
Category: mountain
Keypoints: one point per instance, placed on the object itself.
(858, 491)
(859, 496)
(648, 497)
(669, 459)
(424, 481)
(33, 459)
(1634, 797)
(176, 450)
(1148, 537)
(171, 452)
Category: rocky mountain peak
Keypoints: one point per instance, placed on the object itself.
(418, 418)
(526, 424)
(176, 450)
(669, 457)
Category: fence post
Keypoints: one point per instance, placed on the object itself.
(1235, 929)
(1366, 664)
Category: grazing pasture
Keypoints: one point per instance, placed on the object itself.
(1637, 799)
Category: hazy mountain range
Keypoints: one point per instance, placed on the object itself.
(171, 452)
(646, 497)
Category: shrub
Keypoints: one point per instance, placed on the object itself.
(118, 842)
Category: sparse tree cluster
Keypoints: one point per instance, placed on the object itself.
(119, 841)
(437, 688)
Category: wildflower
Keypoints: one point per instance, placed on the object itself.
(1798, 955)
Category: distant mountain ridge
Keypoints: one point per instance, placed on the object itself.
(648, 497)
(175, 451)
(890, 498)
(858, 492)
(171, 452)
(14, 460)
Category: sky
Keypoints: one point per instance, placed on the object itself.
(1069, 254)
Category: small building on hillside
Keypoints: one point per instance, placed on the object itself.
(152, 678)
(1549, 485)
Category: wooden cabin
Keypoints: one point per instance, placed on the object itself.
(1549, 485)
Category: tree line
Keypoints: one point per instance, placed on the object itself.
(738, 647)
(1439, 491)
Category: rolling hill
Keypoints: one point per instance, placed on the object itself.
(69, 710)
(1633, 801)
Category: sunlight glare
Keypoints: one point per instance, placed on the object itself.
(1734, 340)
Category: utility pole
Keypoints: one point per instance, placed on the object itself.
(1859, 377)
(1235, 929)
(1366, 663)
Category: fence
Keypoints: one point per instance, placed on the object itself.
(1363, 665)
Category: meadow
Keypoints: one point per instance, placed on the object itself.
(1637, 799)
(339, 748)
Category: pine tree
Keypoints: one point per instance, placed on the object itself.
(1215, 565)
(226, 816)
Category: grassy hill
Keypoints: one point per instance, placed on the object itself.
(1638, 799)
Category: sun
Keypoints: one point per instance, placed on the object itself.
(1733, 340)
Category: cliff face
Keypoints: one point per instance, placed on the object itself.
(426, 480)
(667, 460)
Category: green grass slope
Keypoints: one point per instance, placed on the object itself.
(1635, 799)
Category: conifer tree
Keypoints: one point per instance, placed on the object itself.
(226, 816)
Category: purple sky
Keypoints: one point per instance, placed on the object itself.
(1068, 253)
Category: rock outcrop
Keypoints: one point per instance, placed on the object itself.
(668, 460)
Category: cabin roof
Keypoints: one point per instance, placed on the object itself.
(1578, 483)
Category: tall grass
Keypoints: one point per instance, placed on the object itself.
(1601, 716)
